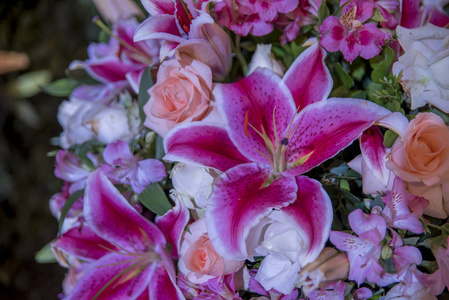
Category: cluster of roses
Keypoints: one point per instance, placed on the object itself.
(244, 221)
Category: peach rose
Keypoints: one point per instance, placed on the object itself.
(181, 94)
(198, 259)
(421, 159)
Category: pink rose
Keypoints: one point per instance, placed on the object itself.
(421, 159)
(181, 94)
(198, 259)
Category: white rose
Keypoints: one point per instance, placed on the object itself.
(192, 184)
(263, 58)
(424, 65)
(83, 121)
(276, 238)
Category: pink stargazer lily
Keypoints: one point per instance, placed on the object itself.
(133, 262)
(267, 143)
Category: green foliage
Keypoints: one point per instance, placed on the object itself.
(323, 11)
(389, 138)
(154, 198)
(45, 256)
(60, 88)
(146, 82)
(347, 80)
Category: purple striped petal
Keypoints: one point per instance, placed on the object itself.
(111, 216)
(83, 243)
(158, 27)
(240, 200)
(253, 101)
(204, 145)
(162, 285)
(159, 7)
(172, 225)
(108, 272)
(326, 127)
(308, 78)
(109, 69)
(312, 214)
(375, 154)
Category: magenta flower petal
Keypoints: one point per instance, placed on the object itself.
(111, 216)
(109, 69)
(162, 286)
(325, 128)
(172, 225)
(375, 154)
(159, 7)
(202, 144)
(83, 243)
(255, 101)
(332, 34)
(158, 27)
(312, 212)
(308, 78)
(108, 272)
(240, 200)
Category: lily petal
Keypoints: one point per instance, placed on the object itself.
(159, 7)
(259, 100)
(83, 243)
(107, 273)
(162, 286)
(308, 78)
(240, 200)
(172, 224)
(158, 27)
(204, 145)
(326, 127)
(312, 214)
(112, 217)
(375, 154)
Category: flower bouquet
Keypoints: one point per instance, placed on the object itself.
(236, 149)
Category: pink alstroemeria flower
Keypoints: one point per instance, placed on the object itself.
(137, 266)
(125, 168)
(267, 144)
(363, 251)
(349, 35)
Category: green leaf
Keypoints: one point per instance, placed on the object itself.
(45, 256)
(68, 205)
(411, 241)
(347, 80)
(359, 94)
(60, 88)
(431, 266)
(323, 11)
(30, 84)
(389, 138)
(344, 185)
(377, 16)
(160, 152)
(381, 64)
(146, 82)
(154, 198)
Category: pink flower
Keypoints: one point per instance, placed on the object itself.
(252, 16)
(421, 158)
(350, 36)
(198, 259)
(440, 278)
(122, 167)
(332, 291)
(187, 31)
(181, 94)
(363, 251)
(403, 210)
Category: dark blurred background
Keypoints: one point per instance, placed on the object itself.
(51, 33)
